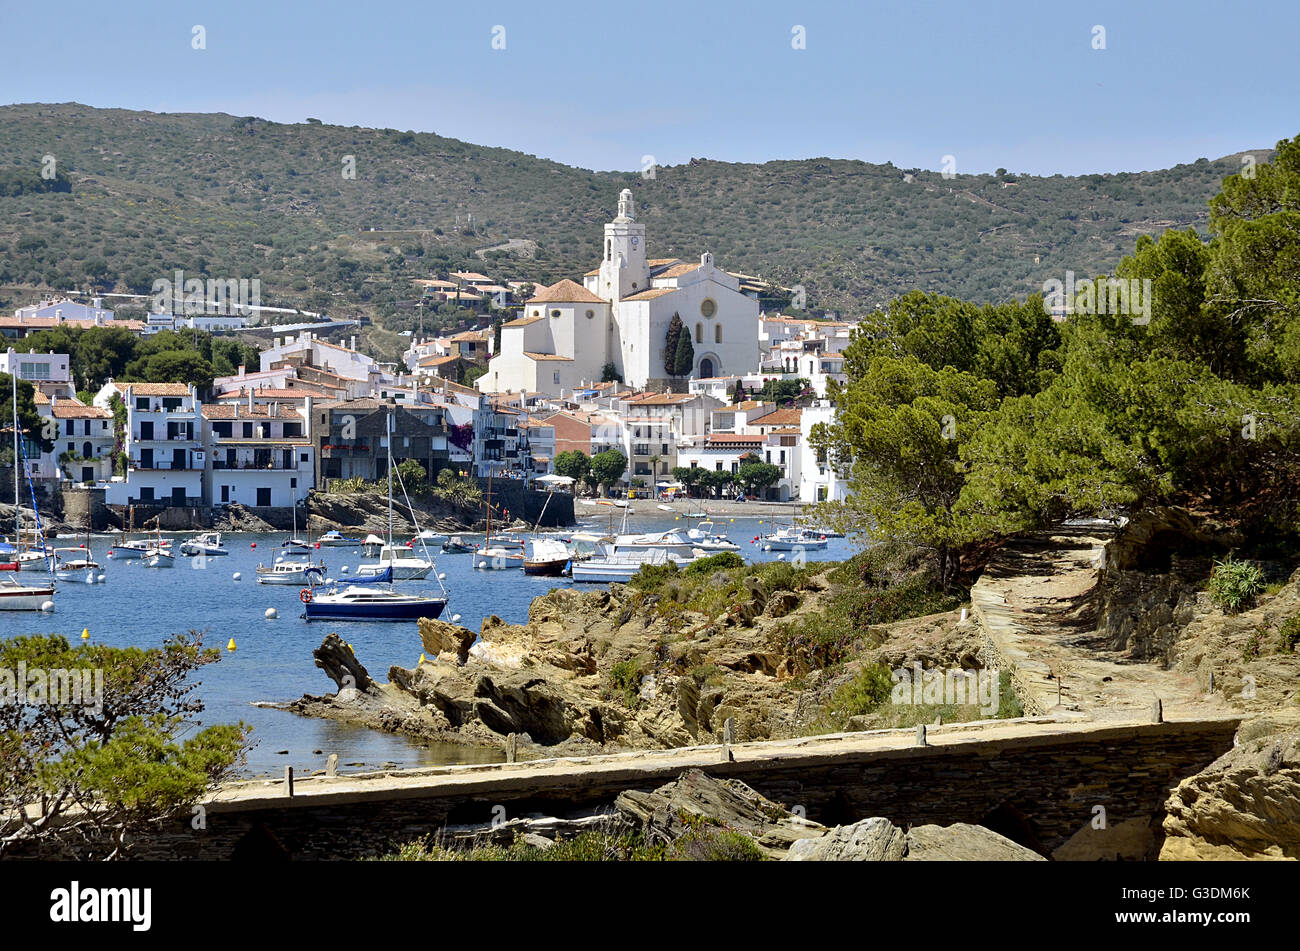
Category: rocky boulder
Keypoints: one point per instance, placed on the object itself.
(1244, 805)
(440, 637)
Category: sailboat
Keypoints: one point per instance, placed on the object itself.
(367, 603)
(16, 595)
(545, 556)
(77, 564)
(293, 541)
(128, 546)
(160, 555)
(487, 556)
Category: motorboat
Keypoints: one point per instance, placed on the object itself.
(17, 596)
(675, 542)
(293, 571)
(613, 564)
(371, 544)
(131, 548)
(456, 546)
(546, 556)
(430, 537)
(75, 565)
(365, 603)
(793, 539)
(35, 559)
(496, 558)
(207, 544)
(336, 539)
(704, 536)
(405, 564)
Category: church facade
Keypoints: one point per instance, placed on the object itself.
(569, 332)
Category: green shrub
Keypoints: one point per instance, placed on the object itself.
(625, 681)
(1288, 635)
(721, 561)
(649, 577)
(1234, 584)
(863, 694)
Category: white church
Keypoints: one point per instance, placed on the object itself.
(620, 315)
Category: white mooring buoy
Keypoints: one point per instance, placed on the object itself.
(271, 614)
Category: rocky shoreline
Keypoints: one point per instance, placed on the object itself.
(655, 667)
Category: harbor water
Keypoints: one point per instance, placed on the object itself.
(140, 606)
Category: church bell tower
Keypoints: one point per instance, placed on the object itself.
(623, 268)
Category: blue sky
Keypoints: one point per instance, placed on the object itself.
(600, 85)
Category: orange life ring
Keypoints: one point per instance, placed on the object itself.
(305, 595)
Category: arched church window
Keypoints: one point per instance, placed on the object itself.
(609, 249)
(699, 333)
(717, 333)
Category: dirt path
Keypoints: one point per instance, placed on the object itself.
(1036, 603)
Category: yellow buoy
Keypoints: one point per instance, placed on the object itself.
(85, 633)
(231, 646)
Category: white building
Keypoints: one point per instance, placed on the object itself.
(83, 438)
(568, 332)
(259, 455)
(64, 309)
(164, 444)
(819, 480)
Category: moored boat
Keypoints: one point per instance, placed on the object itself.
(365, 603)
(207, 544)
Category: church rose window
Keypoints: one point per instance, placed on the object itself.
(708, 308)
(591, 314)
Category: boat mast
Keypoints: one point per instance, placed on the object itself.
(18, 534)
(388, 434)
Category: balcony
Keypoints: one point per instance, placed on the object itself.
(163, 465)
(253, 467)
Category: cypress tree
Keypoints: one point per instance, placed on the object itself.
(675, 331)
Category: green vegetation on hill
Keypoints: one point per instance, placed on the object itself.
(220, 196)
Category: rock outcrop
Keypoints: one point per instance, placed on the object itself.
(696, 804)
(1244, 805)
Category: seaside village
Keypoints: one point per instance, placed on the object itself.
(580, 365)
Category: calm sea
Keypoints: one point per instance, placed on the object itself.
(272, 662)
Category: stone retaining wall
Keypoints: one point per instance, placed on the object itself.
(1042, 785)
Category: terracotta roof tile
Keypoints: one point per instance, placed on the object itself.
(565, 292)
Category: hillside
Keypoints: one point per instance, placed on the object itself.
(242, 197)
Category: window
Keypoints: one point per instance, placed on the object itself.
(717, 333)
(302, 457)
(699, 333)
(708, 308)
(555, 377)
(555, 313)
(142, 403)
(591, 314)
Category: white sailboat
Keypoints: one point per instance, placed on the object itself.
(15, 594)
(372, 603)
(489, 557)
